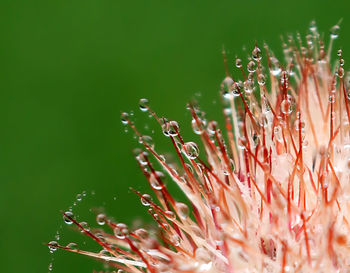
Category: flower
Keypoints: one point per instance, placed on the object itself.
(270, 193)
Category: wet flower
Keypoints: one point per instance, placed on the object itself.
(270, 193)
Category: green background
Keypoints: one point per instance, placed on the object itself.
(68, 69)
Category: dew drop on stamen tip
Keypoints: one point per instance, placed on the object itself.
(182, 210)
(238, 63)
(143, 104)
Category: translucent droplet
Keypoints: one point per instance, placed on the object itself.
(66, 217)
(249, 87)
(143, 104)
(340, 72)
(142, 233)
(170, 215)
(121, 231)
(182, 210)
(331, 98)
(286, 107)
(256, 54)
(145, 200)
(85, 226)
(175, 239)
(101, 219)
(124, 117)
(147, 141)
(275, 66)
(284, 78)
(191, 150)
(238, 63)
(212, 125)
(72, 246)
(142, 158)
(261, 79)
(198, 126)
(251, 66)
(53, 246)
(313, 27)
(170, 128)
(335, 32)
(79, 197)
(155, 181)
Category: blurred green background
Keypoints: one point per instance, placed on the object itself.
(68, 69)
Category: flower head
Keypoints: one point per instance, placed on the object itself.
(270, 193)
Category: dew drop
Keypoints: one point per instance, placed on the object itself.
(145, 200)
(72, 246)
(256, 54)
(79, 197)
(175, 239)
(198, 126)
(124, 117)
(155, 182)
(248, 87)
(191, 150)
(101, 219)
(142, 233)
(212, 125)
(66, 217)
(53, 246)
(238, 63)
(251, 66)
(170, 215)
(85, 227)
(143, 104)
(182, 210)
(147, 141)
(335, 32)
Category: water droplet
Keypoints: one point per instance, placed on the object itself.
(66, 217)
(170, 128)
(249, 87)
(85, 226)
(145, 200)
(275, 66)
(124, 118)
(175, 239)
(256, 54)
(142, 233)
(155, 180)
(261, 79)
(340, 72)
(121, 231)
(191, 150)
(182, 210)
(147, 141)
(143, 104)
(331, 98)
(212, 125)
(79, 197)
(251, 66)
(198, 126)
(238, 63)
(101, 219)
(313, 27)
(142, 158)
(170, 215)
(53, 246)
(72, 246)
(335, 32)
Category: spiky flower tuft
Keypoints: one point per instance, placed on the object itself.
(270, 193)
